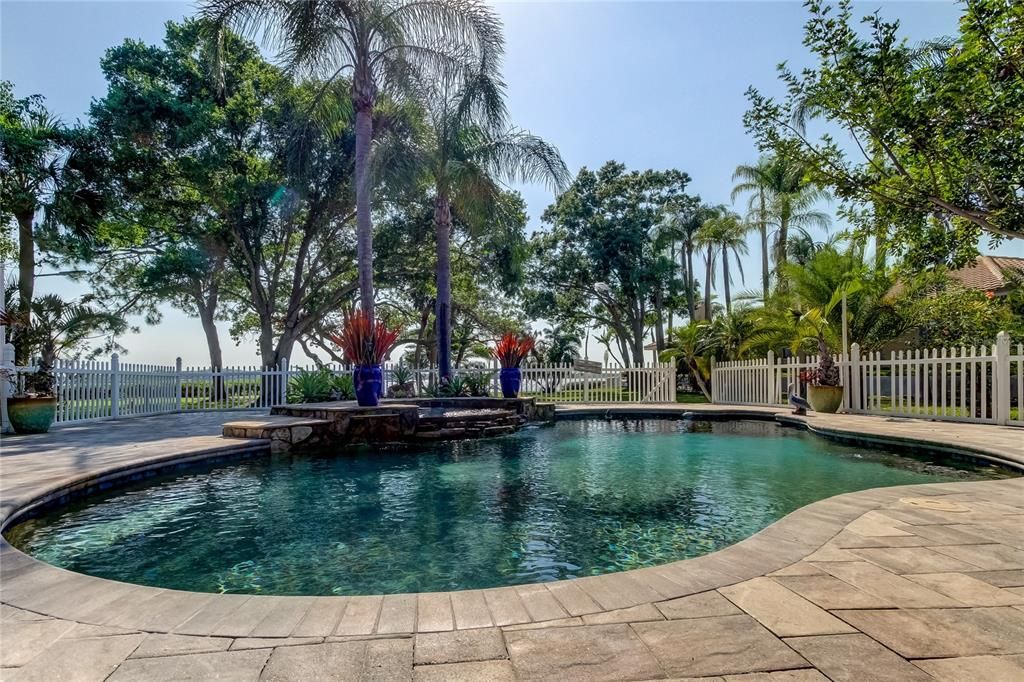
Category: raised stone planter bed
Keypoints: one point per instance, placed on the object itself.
(309, 425)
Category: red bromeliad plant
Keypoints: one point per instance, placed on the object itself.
(512, 349)
(364, 341)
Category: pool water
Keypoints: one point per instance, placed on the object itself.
(574, 499)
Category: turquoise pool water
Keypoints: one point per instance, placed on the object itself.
(579, 498)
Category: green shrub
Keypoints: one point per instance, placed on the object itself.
(478, 384)
(311, 386)
(343, 387)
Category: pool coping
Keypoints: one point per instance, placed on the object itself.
(33, 585)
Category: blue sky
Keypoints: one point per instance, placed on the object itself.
(652, 84)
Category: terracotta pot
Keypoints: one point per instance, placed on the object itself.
(825, 398)
(31, 415)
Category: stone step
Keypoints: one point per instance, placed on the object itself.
(282, 431)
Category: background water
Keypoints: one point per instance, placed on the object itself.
(579, 498)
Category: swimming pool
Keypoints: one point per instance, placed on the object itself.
(578, 498)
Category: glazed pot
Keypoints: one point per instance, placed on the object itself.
(511, 379)
(825, 398)
(31, 415)
(369, 381)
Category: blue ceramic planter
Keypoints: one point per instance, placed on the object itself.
(511, 379)
(369, 383)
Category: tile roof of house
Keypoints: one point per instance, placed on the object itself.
(986, 273)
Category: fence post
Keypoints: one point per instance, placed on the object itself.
(7, 362)
(771, 388)
(115, 386)
(178, 381)
(711, 387)
(282, 397)
(854, 378)
(1001, 378)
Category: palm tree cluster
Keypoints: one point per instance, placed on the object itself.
(781, 200)
(441, 55)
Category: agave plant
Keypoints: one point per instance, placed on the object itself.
(455, 387)
(364, 341)
(343, 387)
(310, 386)
(478, 384)
(512, 349)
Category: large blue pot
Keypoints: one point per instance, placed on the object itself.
(511, 379)
(369, 382)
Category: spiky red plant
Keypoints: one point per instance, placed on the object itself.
(512, 349)
(363, 341)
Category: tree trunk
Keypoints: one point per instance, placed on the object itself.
(707, 284)
(206, 317)
(638, 339)
(765, 267)
(780, 251)
(691, 303)
(659, 327)
(364, 226)
(443, 306)
(725, 279)
(26, 279)
(694, 369)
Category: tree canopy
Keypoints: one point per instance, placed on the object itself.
(936, 134)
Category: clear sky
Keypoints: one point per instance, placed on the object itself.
(650, 84)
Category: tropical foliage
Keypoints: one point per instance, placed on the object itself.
(936, 127)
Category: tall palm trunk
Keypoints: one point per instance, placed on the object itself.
(364, 99)
(765, 267)
(707, 283)
(443, 305)
(725, 279)
(26, 277)
(691, 303)
(659, 327)
(780, 247)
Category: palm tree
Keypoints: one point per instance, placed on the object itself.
(470, 152)
(754, 179)
(725, 232)
(781, 196)
(684, 224)
(44, 176)
(689, 345)
(387, 44)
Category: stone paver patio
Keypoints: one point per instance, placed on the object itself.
(909, 583)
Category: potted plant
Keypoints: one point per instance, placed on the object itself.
(366, 343)
(32, 405)
(824, 387)
(55, 327)
(511, 350)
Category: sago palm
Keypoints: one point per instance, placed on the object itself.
(380, 45)
(469, 154)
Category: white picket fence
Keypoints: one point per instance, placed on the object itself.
(984, 384)
(96, 390)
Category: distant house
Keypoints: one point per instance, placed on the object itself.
(990, 274)
(994, 275)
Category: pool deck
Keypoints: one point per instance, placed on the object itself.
(907, 583)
